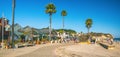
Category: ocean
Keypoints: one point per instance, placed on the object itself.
(116, 39)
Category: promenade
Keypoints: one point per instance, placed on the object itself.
(62, 50)
(43, 50)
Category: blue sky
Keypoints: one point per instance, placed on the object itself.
(104, 13)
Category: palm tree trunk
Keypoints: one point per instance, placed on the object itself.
(13, 11)
(89, 34)
(63, 24)
(50, 27)
(88, 31)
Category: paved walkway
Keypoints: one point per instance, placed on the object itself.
(20, 51)
(62, 50)
(46, 51)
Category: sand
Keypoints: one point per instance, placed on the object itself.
(20, 51)
(43, 50)
(88, 50)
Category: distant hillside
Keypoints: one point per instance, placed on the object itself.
(102, 35)
(94, 35)
(18, 29)
(70, 31)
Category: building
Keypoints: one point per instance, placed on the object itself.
(6, 31)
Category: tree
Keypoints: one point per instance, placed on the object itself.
(88, 24)
(63, 13)
(50, 9)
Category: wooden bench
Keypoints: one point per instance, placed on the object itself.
(23, 45)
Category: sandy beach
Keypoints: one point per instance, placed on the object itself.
(88, 50)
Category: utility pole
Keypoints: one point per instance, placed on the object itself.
(2, 31)
(13, 11)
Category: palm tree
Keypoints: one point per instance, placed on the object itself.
(88, 24)
(63, 13)
(50, 9)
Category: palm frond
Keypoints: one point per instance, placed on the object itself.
(50, 8)
(63, 13)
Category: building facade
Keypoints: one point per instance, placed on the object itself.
(6, 31)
